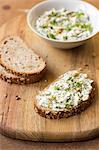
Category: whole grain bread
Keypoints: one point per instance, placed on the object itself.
(19, 59)
(52, 114)
(12, 78)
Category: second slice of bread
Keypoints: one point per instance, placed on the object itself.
(12, 78)
(19, 59)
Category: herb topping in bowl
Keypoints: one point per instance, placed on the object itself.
(64, 25)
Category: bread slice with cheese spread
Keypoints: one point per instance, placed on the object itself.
(70, 94)
(21, 60)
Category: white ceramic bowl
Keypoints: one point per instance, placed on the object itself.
(71, 5)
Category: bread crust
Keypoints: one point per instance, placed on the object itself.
(51, 114)
(32, 74)
(23, 74)
(22, 80)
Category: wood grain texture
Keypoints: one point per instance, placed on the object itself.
(11, 144)
(18, 118)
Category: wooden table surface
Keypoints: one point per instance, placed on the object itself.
(9, 9)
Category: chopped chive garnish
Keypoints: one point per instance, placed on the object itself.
(54, 13)
(68, 28)
(68, 103)
(49, 104)
(79, 14)
(65, 37)
(78, 84)
(53, 97)
(44, 26)
(51, 36)
(84, 26)
(56, 88)
(69, 78)
(53, 22)
(67, 89)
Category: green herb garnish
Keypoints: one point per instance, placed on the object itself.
(53, 22)
(53, 97)
(56, 88)
(44, 26)
(49, 104)
(54, 14)
(51, 36)
(84, 26)
(68, 28)
(89, 27)
(65, 37)
(68, 103)
(69, 78)
(79, 14)
(67, 89)
(78, 84)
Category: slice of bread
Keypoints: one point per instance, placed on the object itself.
(12, 78)
(69, 95)
(17, 58)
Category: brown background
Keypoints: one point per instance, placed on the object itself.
(9, 9)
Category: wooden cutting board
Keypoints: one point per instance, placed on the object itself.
(18, 118)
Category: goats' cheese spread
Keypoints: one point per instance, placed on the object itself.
(68, 91)
(64, 25)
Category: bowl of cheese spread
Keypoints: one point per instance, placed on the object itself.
(64, 24)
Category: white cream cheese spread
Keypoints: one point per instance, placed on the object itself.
(64, 25)
(68, 91)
